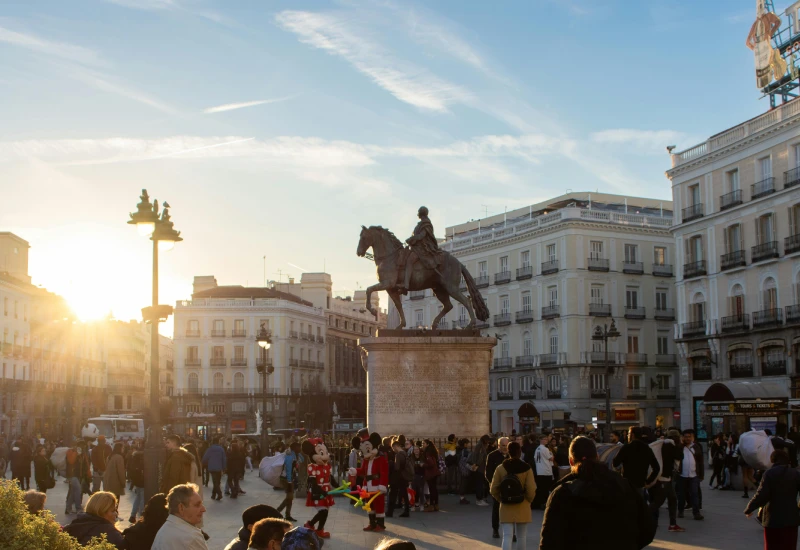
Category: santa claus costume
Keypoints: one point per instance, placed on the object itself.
(319, 483)
(375, 471)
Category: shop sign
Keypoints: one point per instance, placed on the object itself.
(746, 408)
(676, 415)
(238, 425)
(625, 414)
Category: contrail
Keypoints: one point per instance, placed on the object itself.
(234, 106)
(203, 147)
(297, 267)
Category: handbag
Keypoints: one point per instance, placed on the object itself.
(47, 483)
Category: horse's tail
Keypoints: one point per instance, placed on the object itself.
(481, 311)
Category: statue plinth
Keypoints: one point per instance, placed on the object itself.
(428, 385)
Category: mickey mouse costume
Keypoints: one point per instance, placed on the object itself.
(375, 470)
(319, 483)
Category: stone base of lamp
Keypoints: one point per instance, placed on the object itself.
(428, 385)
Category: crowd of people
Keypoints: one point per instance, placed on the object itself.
(517, 475)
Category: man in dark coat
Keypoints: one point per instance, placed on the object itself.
(177, 468)
(493, 460)
(636, 458)
(249, 517)
(777, 496)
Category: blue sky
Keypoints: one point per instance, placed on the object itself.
(277, 128)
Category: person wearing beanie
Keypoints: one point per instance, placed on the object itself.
(301, 538)
(250, 517)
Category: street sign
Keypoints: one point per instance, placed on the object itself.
(676, 415)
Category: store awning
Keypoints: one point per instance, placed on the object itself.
(733, 390)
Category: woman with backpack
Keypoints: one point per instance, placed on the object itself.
(432, 473)
(514, 488)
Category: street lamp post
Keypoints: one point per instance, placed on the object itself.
(603, 335)
(264, 341)
(150, 223)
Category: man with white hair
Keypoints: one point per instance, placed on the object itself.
(494, 460)
(182, 531)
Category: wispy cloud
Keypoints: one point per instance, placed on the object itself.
(408, 83)
(108, 84)
(186, 6)
(652, 140)
(234, 106)
(63, 50)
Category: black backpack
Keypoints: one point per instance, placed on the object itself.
(511, 490)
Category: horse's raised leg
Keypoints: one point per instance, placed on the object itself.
(464, 301)
(447, 305)
(395, 296)
(375, 288)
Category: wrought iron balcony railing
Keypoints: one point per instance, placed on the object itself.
(632, 268)
(764, 251)
(729, 200)
(503, 362)
(666, 360)
(701, 372)
(598, 264)
(792, 314)
(217, 333)
(550, 312)
(662, 270)
(741, 370)
(773, 367)
(635, 358)
(502, 319)
(692, 212)
(482, 281)
(635, 312)
(524, 316)
(554, 394)
(550, 267)
(762, 188)
(693, 328)
(219, 362)
(732, 259)
(525, 360)
(548, 358)
(505, 396)
(791, 178)
(736, 323)
(417, 295)
(664, 314)
(791, 244)
(524, 272)
(502, 277)
(527, 394)
(600, 310)
(767, 318)
(239, 334)
(694, 269)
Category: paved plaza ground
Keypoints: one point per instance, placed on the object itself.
(462, 527)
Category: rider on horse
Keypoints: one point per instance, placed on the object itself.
(423, 247)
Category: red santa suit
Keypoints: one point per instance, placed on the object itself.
(376, 466)
(323, 474)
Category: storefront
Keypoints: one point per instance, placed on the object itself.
(739, 406)
(549, 416)
(528, 418)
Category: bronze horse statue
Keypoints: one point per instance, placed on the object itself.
(390, 255)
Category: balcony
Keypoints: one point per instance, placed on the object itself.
(692, 212)
(502, 278)
(632, 268)
(694, 269)
(307, 336)
(481, 324)
(729, 200)
(768, 318)
(459, 324)
(238, 362)
(665, 314)
(666, 393)
(261, 362)
(503, 362)
(320, 339)
(637, 393)
(551, 312)
(502, 319)
(742, 370)
(638, 359)
(505, 395)
(218, 334)
(525, 316)
(294, 334)
(554, 394)
(239, 334)
(194, 362)
(791, 244)
(193, 334)
(597, 392)
(548, 358)
(482, 281)
(666, 360)
(525, 272)
(525, 360)
(550, 267)
(764, 251)
(701, 372)
(527, 394)
(773, 367)
(792, 314)
(736, 323)
(417, 295)
(598, 264)
(694, 328)
(599, 357)
(634, 312)
(662, 270)
(732, 260)
(219, 362)
(600, 310)
(762, 188)
(791, 178)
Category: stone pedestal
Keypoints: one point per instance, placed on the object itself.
(428, 385)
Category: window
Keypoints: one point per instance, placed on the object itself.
(694, 249)
(554, 383)
(504, 305)
(733, 238)
(525, 258)
(238, 381)
(596, 295)
(219, 326)
(526, 301)
(551, 252)
(741, 357)
(631, 253)
(193, 408)
(661, 298)
(420, 320)
(526, 383)
(598, 381)
(462, 313)
(482, 269)
(527, 344)
(504, 386)
(503, 264)
(765, 168)
(697, 311)
(662, 343)
(5, 307)
(238, 407)
(633, 342)
(663, 381)
(635, 382)
(16, 306)
(596, 250)
(118, 402)
(191, 354)
(238, 326)
(765, 229)
(732, 180)
(505, 347)
(238, 353)
(218, 352)
(219, 380)
(797, 156)
(631, 297)
(553, 342)
(736, 302)
(552, 296)
(770, 295)
(694, 194)
(218, 408)
(660, 255)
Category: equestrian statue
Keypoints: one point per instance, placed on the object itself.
(420, 265)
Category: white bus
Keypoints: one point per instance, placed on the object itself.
(116, 427)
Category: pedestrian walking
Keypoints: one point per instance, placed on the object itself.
(136, 477)
(114, 476)
(215, 461)
(477, 463)
(716, 454)
(544, 461)
(177, 468)
(776, 496)
(595, 508)
(664, 489)
(493, 460)
(100, 454)
(691, 476)
(288, 479)
(78, 472)
(514, 497)
(42, 470)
